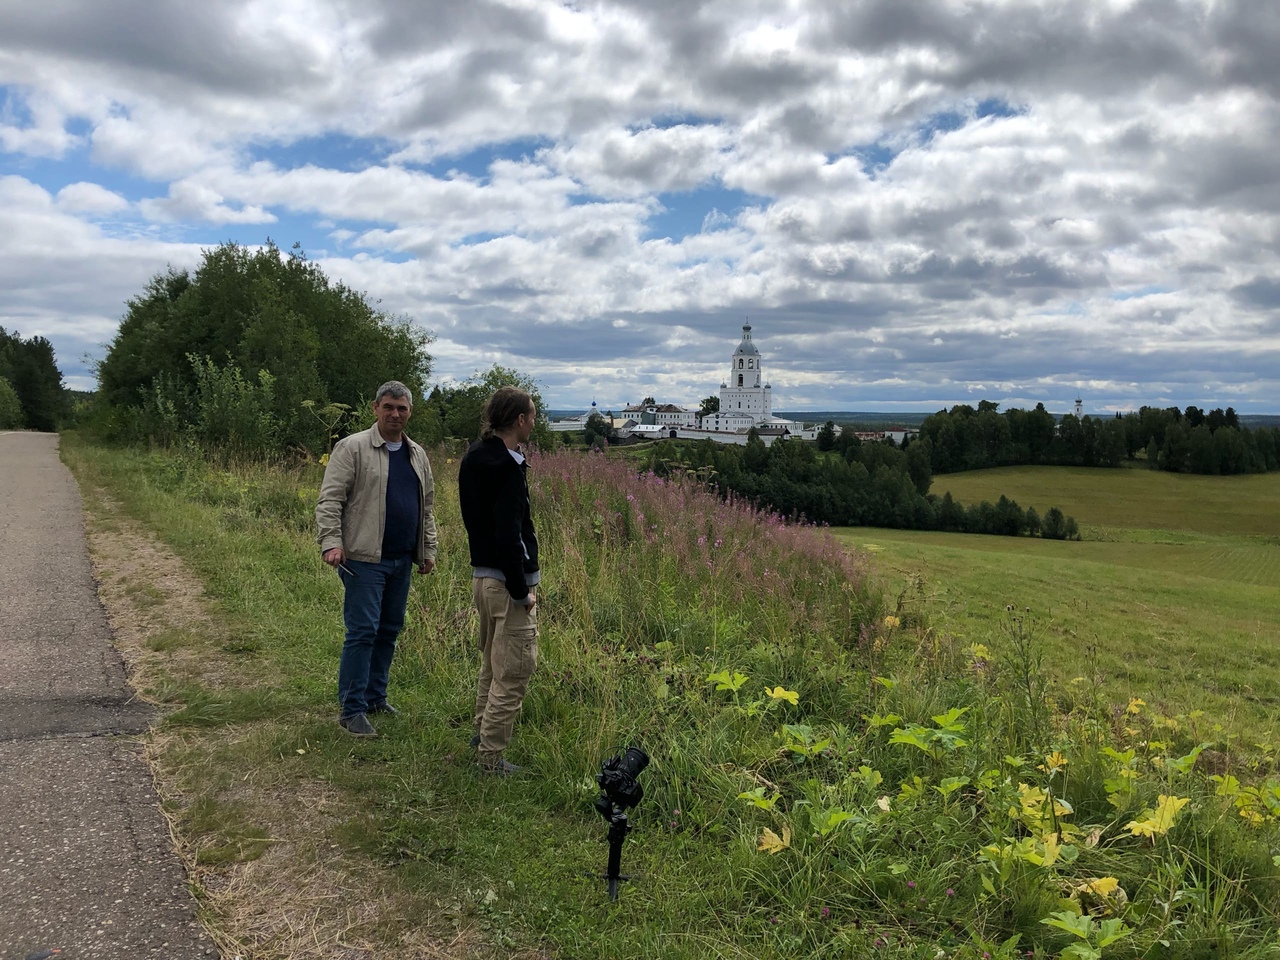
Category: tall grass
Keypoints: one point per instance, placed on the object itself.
(830, 777)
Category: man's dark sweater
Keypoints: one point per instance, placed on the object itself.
(400, 532)
(494, 498)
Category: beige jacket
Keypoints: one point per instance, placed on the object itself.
(352, 510)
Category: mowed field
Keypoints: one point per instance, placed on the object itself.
(1173, 596)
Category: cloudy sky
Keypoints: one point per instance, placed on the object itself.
(914, 203)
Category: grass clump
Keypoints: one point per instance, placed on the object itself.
(830, 776)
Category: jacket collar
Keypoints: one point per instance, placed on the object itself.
(376, 437)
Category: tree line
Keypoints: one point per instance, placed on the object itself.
(1182, 441)
(31, 391)
(255, 353)
(857, 484)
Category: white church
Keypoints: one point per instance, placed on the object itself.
(746, 398)
(746, 402)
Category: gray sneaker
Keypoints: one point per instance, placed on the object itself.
(503, 768)
(358, 725)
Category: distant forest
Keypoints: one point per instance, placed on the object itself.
(855, 484)
(1181, 441)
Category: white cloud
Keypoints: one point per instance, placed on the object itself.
(82, 197)
(65, 278)
(943, 197)
(188, 200)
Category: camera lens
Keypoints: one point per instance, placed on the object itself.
(634, 761)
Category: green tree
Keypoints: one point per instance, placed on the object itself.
(459, 407)
(32, 371)
(10, 406)
(1230, 452)
(1032, 521)
(1201, 456)
(755, 456)
(1053, 526)
(1112, 450)
(919, 464)
(598, 431)
(258, 311)
(827, 436)
(1176, 447)
(709, 405)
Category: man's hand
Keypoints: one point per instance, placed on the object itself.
(334, 557)
(529, 601)
(426, 566)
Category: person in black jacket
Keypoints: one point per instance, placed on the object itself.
(494, 497)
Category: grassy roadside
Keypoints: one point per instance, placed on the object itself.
(487, 866)
(889, 835)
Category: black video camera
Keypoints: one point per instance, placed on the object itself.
(619, 788)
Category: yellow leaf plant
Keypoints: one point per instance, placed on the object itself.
(770, 842)
(1156, 823)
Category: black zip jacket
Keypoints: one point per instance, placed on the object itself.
(494, 497)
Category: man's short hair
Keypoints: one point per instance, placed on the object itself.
(503, 410)
(395, 390)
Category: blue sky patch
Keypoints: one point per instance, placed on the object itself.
(476, 163)
(669, 121)
(1140, 292)
(473, 239)
(996, 107)
(874, 157)
(76, 167)
(332, 151)
(13, 107)
(684, 213)
(878, 156)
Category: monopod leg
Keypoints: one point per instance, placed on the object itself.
(618, 827)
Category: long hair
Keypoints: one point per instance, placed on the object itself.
(503, 410)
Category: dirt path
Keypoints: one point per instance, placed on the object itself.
(86, 860)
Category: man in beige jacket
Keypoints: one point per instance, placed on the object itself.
(376, 522)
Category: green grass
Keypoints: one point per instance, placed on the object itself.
(1173, 595)
(648, 589)
(1129, 499)
(1126, 612)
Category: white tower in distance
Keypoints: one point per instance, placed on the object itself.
(1079, 408)
(745, 393)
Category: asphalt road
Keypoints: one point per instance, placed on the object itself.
(87, 866)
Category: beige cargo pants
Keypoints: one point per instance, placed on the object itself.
(508, 656)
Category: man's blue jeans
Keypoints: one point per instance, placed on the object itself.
(373, 612)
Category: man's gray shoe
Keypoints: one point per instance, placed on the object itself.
(358, 725)
(386, 708)
(503, 768)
